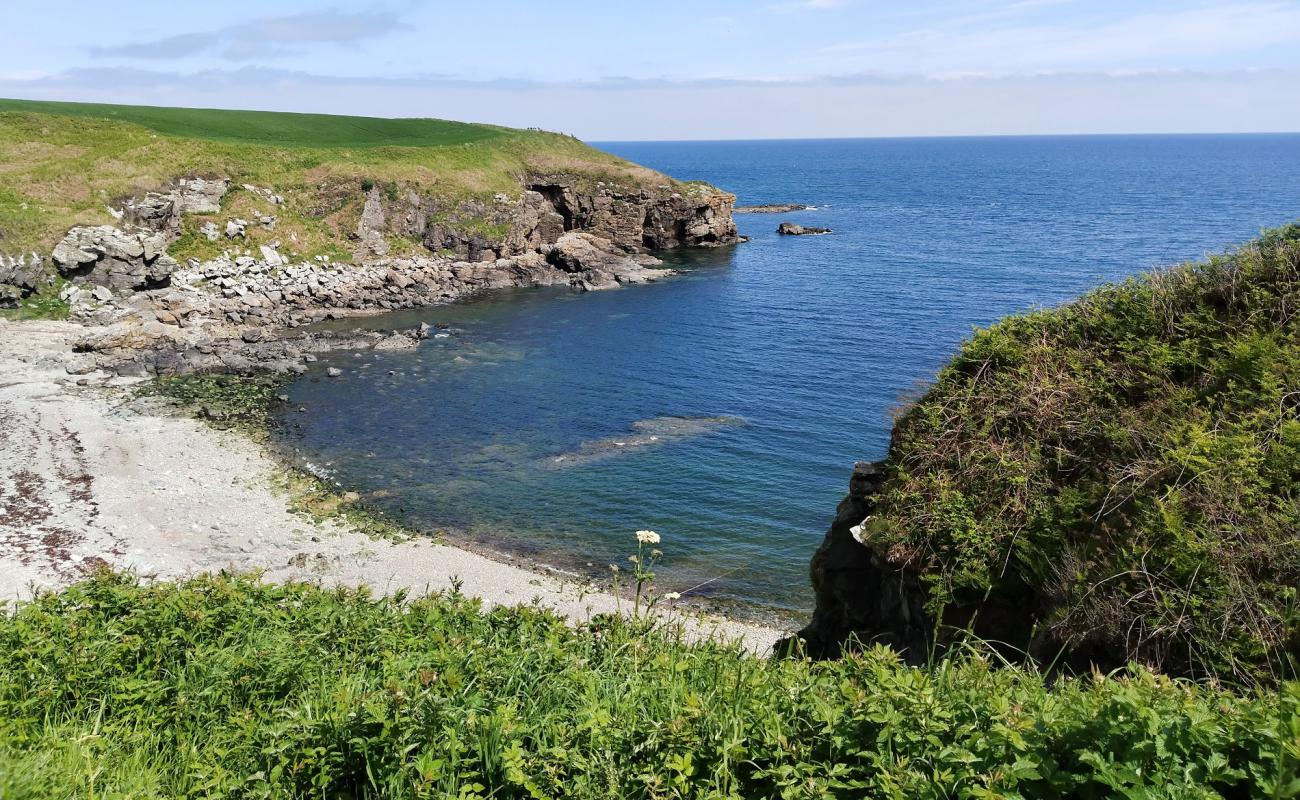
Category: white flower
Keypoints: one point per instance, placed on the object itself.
(672, 596)
(647, 537)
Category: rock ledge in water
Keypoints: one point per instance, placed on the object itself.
(791, 229)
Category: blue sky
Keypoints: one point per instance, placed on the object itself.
(672, 69)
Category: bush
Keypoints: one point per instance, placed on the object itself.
(1125, 469)
(224, 687)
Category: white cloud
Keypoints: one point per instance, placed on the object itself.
(266, 37)
(858, 105)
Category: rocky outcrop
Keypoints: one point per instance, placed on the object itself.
(161, 211)
(20, 277)
(863, 600)
(219, 303)
(658, 219)
(771, 208)
(370, 228)
(201, 316)
(860, 599)
(116, 259)
(792, 229)
(596, 263)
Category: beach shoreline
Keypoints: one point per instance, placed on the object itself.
(88, 481)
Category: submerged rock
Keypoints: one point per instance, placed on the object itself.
(645, 433)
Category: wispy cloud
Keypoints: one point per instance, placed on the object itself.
(263, 38)
(620, 108)
(1133, 40)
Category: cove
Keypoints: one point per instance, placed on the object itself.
(764, 370)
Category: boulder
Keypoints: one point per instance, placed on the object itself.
(117, 259)
(597, 263)
(200, 196)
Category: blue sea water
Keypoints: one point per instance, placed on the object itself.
(809, 343)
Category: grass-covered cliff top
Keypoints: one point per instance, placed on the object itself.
(1123, 470)
(224, 687)
(63, 164)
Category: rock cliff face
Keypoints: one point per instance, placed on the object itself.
(593, 237)
(168, 318)
(860, 600)
(632, 219)
(655, 219)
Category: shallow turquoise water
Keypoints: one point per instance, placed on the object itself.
(804, 345)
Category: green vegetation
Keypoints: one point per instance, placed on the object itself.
(1126, 467)
(64, 164)
(225, 687)
(272, 127)
(246, 402)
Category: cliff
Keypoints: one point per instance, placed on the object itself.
(120, 196)
(1114, 480)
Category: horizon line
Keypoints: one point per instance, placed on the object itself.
(908, 137)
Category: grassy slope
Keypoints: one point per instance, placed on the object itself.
(61, 164)
(226, 688)
(1128, 465)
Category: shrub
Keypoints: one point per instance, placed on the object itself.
(224, 687)
(1125, 469)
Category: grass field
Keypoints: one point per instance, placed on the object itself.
(64, 164)
(273, 128)
(226, 688)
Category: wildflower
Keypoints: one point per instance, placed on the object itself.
(647, 537)
(613, 567)
(672, 596)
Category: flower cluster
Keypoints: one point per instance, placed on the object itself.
(647, 537)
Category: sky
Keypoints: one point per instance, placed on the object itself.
(672, 69)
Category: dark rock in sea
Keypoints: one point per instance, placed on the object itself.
(771, 208)
(792, 229)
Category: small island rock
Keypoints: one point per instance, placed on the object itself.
(791, 229)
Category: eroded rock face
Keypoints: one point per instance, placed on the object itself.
(861, 600)
(657, 220)
(161, 211)
(117, 259)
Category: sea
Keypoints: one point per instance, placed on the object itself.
(724, 408)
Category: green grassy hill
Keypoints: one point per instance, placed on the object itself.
(225, 687)
(273, 128)
(64, 164)
(1119, 478)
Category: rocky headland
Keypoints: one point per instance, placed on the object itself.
(237, 311)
